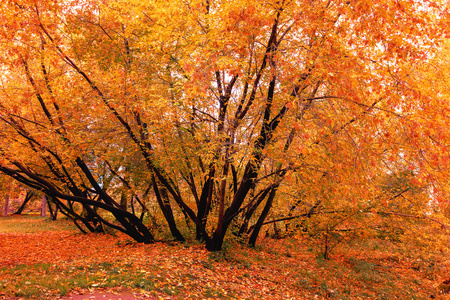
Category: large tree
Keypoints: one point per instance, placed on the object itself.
(223, 112)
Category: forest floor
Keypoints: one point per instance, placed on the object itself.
(43, 259)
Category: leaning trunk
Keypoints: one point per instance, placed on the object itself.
(262, 217)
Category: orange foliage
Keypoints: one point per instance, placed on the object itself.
(229, 114)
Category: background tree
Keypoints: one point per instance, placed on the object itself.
(29, 194)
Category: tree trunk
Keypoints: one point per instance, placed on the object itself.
(44, 206)
(251, 211)
(164, 205)
(215, 244)
(262, 217)
(27, 199)
(205, 202)
(5, 208)
(53, 213)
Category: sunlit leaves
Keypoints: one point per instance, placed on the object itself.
(317, 100)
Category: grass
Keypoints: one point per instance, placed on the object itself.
(44, 259)
(33, 224)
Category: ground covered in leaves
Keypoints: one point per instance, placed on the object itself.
(42, 259)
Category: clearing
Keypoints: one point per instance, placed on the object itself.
(43, 259)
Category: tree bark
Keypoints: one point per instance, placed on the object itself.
(53, 213)
(262, 217)
(27, 199)
(44, 206)
(5, 208)
(164, 205)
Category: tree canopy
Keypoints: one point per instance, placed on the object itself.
(227, 115)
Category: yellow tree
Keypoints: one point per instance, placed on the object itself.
(215, 105)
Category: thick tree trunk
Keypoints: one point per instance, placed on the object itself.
(215, 244)
(205, 202)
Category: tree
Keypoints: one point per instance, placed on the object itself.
(220, 108)
(28, 196)
(9, 189)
